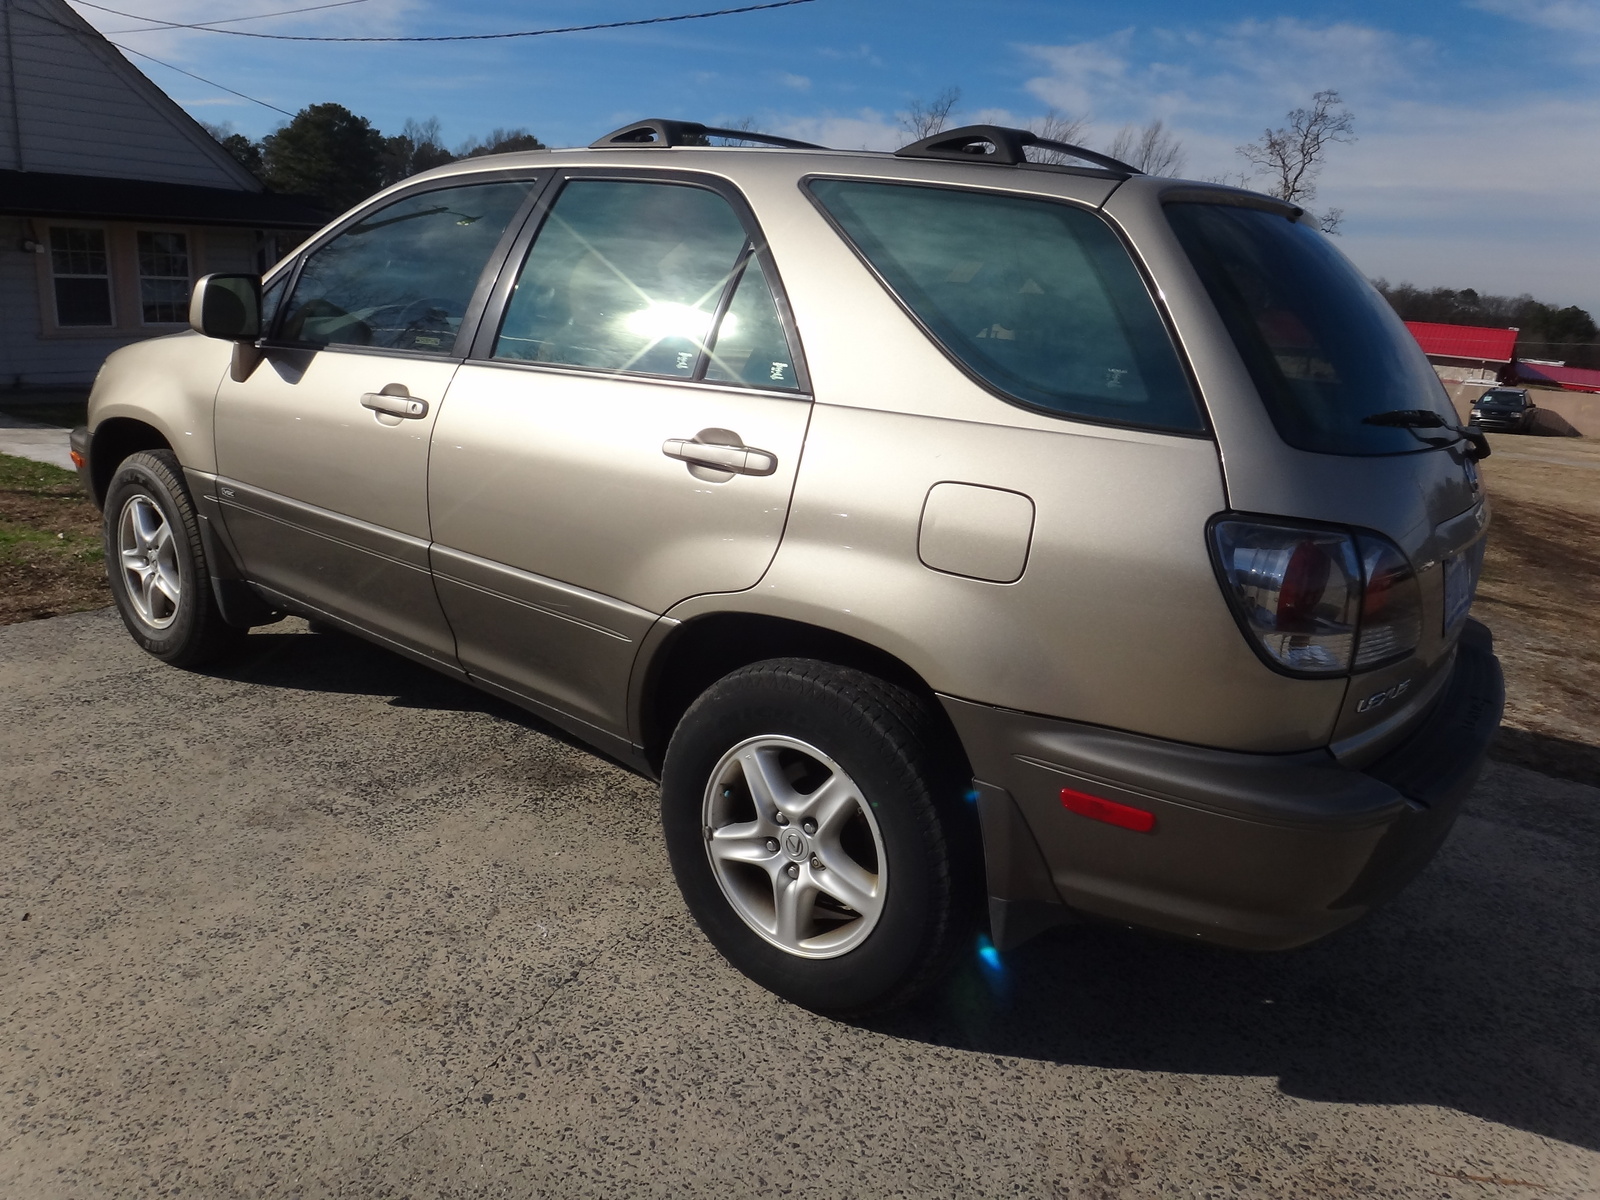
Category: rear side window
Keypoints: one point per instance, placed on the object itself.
(1036, 298)
(1324, 349)
(401, 277)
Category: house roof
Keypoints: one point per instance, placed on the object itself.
(89, 197)
(1465, 341)
(1574, 379)
(71, 102)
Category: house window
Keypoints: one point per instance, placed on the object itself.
(82, 276)
(164, 278)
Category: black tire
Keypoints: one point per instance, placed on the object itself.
(189, 632)
(895, 748)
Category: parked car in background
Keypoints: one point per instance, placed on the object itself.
(1505, 410)
(935, 526)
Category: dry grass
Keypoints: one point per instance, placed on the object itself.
(1540, 595)
(51, 557)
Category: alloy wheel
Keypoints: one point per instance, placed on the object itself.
(149, 557)
(794, 846)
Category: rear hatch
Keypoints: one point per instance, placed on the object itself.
(1367, 459)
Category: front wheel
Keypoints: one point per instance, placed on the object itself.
(156, 564)
(814, 818)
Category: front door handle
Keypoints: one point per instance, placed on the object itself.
(739, 459)
(395, 406)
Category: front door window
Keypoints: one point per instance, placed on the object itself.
(402, 276)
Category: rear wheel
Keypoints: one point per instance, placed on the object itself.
(156, 564)
(814, 818)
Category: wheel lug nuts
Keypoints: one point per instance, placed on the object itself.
(816, 863)
(809, 826)
(772, 844)
(793, 871)
(781, 819)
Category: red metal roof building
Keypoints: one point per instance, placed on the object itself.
(1472, 343)
(1573, 379)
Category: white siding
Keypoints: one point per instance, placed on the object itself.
(231, 250)
(31, 358)
(84, 110)
(26, 358)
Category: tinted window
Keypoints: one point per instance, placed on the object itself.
(1037, 298)
(751, 345)
(401, 277)
(1324, 348)
(624, 277)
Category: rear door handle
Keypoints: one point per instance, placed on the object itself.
(395, 406)
(741, 460)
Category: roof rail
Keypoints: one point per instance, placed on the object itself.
(665, 134)
(1002, 146)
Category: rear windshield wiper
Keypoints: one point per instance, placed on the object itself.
(1426, 418)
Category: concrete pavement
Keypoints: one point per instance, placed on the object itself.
(329, 925)
(31, 439)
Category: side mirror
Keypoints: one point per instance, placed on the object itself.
(227, 307)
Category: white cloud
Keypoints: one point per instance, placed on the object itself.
(868, 129)
(799, 83)
(1253, 70)
(1562, 16)
(1444, 186)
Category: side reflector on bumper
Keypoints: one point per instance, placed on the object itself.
(77, 459)
(1097, 808)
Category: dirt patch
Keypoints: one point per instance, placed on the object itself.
(1540, 595)
(51, 557)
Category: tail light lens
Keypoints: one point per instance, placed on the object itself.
(1318, 601)
(1391, 604)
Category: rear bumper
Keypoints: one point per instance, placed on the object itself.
(1254, 851)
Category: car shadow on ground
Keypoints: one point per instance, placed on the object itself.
(342, 663)
(1461, 994)
(1475, 990)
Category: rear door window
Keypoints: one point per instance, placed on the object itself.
(1324, 349)
(647, 278)
(1036, 298)
(401, 277)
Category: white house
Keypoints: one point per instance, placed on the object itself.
(113, 200)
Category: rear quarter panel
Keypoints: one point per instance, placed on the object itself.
(1118, 618)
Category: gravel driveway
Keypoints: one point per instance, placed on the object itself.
(329, 925)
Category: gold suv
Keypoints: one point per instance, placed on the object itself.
(935, 525)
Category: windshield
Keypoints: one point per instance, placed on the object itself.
(1324, 348)
(1501, 400)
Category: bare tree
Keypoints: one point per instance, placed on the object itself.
(1291, 157)
(1056, 127)
(1155, 150)
(926, 118)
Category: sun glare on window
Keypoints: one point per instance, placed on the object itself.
(663, 320)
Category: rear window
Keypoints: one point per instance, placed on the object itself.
(1036, 298)
(1324, 348)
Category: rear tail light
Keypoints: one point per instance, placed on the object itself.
(1316, 601)
(1391, 604)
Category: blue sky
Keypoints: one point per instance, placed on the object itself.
(1477, 164)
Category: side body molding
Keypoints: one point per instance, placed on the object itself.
(541, 639)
